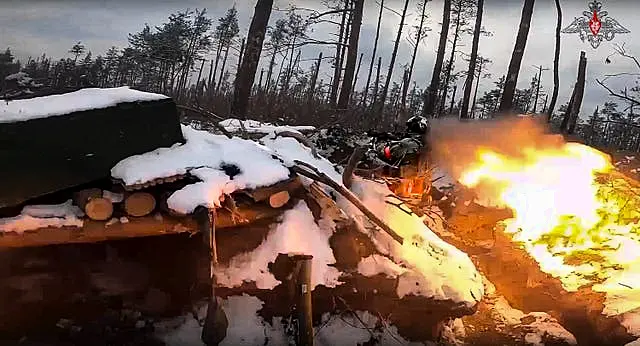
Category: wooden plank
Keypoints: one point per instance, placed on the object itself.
(98, 231)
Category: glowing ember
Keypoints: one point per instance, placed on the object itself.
(573, 214)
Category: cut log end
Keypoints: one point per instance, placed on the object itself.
(99, 209)
(139, 204)
(279, 199)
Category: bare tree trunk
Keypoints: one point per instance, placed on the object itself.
(215, 68)
(277, 81)
(392, 63)
(432, 90)
(260, 80)
(247, 73)
(224, 64)
(355, 79)
(373, 55)
(210, 74)
(405, 89)
(475, 92)
(287, 73)
(575, 109)
(506, 103)
(464, 111)
(338, 63)
(556, 59)
(200, 74)
(241, 52)
(272, 63)
(352, 56)
(453, 97)
(447, 74)
(316, 71)
(377, 85)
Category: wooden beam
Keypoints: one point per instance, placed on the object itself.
(136, 227)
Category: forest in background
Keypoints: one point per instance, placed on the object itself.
(265, 76)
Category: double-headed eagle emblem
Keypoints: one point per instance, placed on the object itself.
(595, 25)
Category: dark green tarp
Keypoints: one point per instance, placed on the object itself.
(45, 155)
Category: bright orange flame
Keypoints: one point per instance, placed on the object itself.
(579, 228)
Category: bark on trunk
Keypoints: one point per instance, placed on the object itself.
(464, 111)
(392, 63)
(556, 59)
(215, 67)
(405, 89)
(475, 92)
(375, 87)
(373, 56)
(337, 71)
(432, 90)
(224, 64)
(247, 72)
(355, 79)
(447, 75)
(272, 63)
(575, 108)
(312, 87)
(241, 52)
(352, 55)
(506, 103)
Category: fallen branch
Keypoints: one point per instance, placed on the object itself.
(209, 114)
(313, 173)
(613, 93)
(347, 175)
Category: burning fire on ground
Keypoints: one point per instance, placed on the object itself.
(573, 213)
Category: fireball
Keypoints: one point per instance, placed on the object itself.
(573, 213)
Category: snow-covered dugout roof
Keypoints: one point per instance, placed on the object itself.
(81, 100)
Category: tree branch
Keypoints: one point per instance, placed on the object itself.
(347, 10)
(620, 96)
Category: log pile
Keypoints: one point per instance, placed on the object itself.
(131, 214)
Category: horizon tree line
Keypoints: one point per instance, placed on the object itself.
(273, 80)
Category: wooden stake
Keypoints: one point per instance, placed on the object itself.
(216, 322)
(304, 311)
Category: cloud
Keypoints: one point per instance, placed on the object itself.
(34, 27)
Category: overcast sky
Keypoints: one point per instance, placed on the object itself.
(33, 27)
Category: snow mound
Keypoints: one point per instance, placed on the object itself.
(435, 268)
(41, 216)
(208, 157)
(254, 126)
(297, 233)
(426, 265)
(81, 100)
